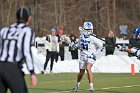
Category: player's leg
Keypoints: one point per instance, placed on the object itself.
(90, 76)
(79, 78)
(80, 75)
(89, 72)
(82, 66)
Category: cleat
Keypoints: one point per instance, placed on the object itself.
(75, 88)
(91, 89)
(42, 72)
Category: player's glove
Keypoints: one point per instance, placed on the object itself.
(138, 57)
(120, 48)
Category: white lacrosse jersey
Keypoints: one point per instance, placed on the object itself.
(90, 45)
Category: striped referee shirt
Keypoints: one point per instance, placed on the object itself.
(15, 44)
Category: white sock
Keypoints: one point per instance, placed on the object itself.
(91, 85)
(78, 84)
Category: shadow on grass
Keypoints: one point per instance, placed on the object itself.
(49, 89)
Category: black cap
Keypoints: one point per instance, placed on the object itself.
(23, 13)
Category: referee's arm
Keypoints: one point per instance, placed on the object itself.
(28, 39)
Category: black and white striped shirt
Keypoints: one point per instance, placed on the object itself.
(15, 44)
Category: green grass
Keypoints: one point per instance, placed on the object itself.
(103, 83)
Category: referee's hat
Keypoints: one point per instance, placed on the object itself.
(23, 13)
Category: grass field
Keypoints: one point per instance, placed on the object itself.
(103, 83)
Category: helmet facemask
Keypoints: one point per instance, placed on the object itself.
(88, 32)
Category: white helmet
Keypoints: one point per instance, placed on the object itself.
(88, 28)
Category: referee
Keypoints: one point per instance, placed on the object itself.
(15, 46)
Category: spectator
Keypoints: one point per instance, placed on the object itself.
(110, 41)
(16, 42)
(63, 42)
(52, 45)
(132, 43)
(124, 31)
(73, 47)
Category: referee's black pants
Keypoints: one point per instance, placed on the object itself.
(11, 77)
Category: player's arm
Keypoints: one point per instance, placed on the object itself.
(128, 50)
(131, 50)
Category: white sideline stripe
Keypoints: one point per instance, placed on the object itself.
(107, 88)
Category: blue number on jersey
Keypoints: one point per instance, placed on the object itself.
(84, 44)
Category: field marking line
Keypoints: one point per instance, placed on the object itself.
(107, 88)
(120, 87)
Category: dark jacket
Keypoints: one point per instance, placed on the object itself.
(110, 43)
(73, 42)
(73, 47)
(133, 43)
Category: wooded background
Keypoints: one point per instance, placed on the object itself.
(105, 15)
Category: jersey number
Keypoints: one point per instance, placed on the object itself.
(13, 35)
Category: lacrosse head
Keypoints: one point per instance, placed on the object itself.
(88, 28)
(81, 30)
(137, 32)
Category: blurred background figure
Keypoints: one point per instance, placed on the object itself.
(124, 31)
(132, 43)
(52, 49)
(63, 42)
(110, 42)
(73, 47)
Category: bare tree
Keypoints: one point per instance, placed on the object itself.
(108, 14)
(70, 14)
(114, 14)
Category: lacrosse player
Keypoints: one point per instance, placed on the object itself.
(90, 46)
(133, 49)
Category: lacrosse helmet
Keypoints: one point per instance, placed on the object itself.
(88, 28)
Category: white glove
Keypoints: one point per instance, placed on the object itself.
(120, 48)
(134, 50)
(92, 56)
